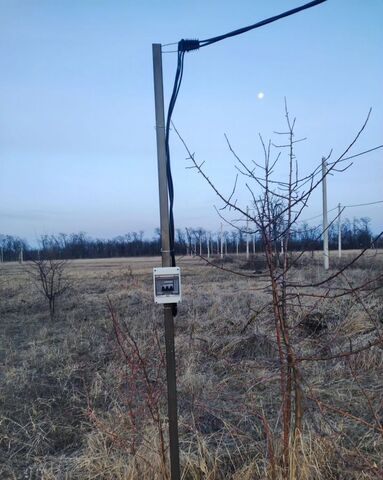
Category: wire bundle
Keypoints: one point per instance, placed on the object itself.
(173, 99)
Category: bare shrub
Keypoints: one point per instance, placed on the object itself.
(50, 277)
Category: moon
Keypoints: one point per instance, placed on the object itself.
(260, 95)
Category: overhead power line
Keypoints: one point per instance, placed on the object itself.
(344, 206)
(240, 31)
(362, 153)
(317, 216)
(363, 204)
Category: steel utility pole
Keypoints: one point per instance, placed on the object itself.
(339, 232)
(325, 218)
(166, 261)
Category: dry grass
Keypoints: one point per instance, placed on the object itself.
(63, 407)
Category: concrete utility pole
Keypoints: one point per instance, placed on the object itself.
(339, 232)
(200, 245)
(166, 262)
(325, 218)
(208, 245)
(237, 244)
(247, 232)
(221, 242)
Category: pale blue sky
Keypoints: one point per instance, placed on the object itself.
(77, 138)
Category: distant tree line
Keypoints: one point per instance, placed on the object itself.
(356, 234)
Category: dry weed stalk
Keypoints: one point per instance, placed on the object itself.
(141, 389)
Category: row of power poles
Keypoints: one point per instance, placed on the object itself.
(219, 245)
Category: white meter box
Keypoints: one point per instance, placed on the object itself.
(167, 284)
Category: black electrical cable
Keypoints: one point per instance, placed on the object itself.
(173, 99)
(186, 45)
(209, 41)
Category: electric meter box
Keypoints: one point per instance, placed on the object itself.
(167, 284)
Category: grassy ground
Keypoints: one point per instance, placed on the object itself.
(75, 404)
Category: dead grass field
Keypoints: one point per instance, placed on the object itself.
(67, 409)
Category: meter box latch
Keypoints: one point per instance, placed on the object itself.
(167, 284)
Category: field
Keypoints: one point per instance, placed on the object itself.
(83, 395)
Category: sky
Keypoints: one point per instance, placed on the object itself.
(77, 127)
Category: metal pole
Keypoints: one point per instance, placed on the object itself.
(325, 218)
(339, 232)
(166, 262)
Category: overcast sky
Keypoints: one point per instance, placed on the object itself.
(77, 137)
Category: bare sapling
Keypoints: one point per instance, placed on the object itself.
(276, 208)
(50, 277)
